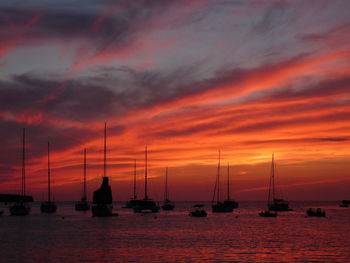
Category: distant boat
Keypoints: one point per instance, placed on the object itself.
(147, 204)
(133, 201)
(221, 207)
(198, 211)
(48, 206)
(229, 203)
(21, 208)
(102, 198)
(345, 203)
(318, 212)
(268, 213)
(167, 204)
(83, 204)
(276, 204)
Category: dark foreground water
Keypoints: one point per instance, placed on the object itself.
(176, 237)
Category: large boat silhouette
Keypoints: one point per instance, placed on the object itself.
(102, 198)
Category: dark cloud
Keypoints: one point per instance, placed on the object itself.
(120, 21)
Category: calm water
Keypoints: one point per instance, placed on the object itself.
(176, 237)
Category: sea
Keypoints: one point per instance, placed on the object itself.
(174, 236)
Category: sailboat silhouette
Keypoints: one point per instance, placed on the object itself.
(167, 204)
(21, 208)
(102, 198)
(147, 204)
(48, 206)
(83, 204)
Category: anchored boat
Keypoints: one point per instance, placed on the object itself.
(102, 198)
(167, 204)
(146, 205)
(276, 204)
(83, 204)
(133, 201)
(21, 208)
(48, 206)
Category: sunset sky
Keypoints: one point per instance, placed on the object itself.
(185, 78)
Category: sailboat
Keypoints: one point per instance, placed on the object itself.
(146, 204)
(20, 208)
(83, 204)
(102, 198)
(220, 207)
(48, 206)
(133, 201)
(229, 203)
(276, 204)
(167, 204)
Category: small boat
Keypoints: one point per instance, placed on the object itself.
(146, 205)
(318, 212)
(21, 208)
(268, 213)
(48, 206)
(102, 198)
(198, 211)
(276, 204)
(345, 203)
(83, 204)
(226, 206)
(133, 201)
(229, 203)
(167, 204)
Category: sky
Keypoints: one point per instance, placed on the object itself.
(187, 79)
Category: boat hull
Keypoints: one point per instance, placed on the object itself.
(132, 203)
(280, 205)
(146, 206)
(231, 203)
(222, 208)
(19, 210)
(267, 214)
(82, 206)
(316, 213)
(200, 213)
(168, 206)
(48, 207)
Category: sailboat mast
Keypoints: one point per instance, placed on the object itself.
(218, 174)
(166, 184)
(48, 172)
(273, 176)
(84, 194)
(105, 152)
(135, 179)
(146, 196)
(23, 192)
(228, 181)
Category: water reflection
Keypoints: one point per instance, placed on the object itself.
(177, 237)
